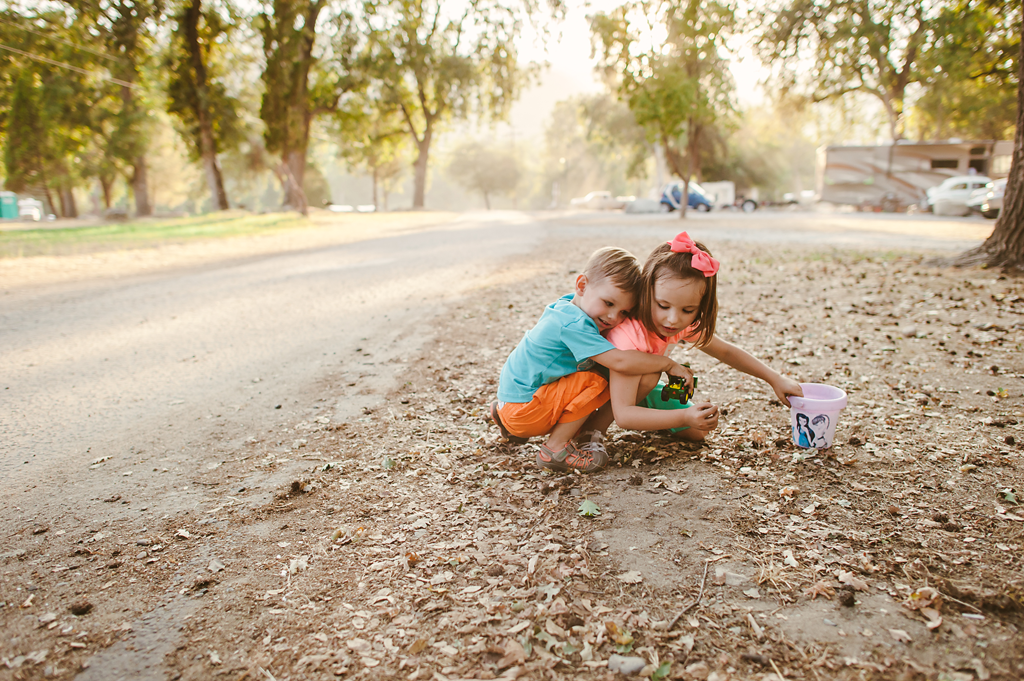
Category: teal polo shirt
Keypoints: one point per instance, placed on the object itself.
(561, 343)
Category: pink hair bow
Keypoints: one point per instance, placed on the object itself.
(701, 261)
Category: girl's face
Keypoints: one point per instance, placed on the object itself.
(676, 304)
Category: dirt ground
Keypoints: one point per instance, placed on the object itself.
(414, 544)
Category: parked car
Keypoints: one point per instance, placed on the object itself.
(601, 200)
(951, 197)
(672, 196)
(988, 200)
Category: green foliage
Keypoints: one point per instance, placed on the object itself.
(484, 169)
(301, 81)
(436, 65)
(26, 146)
(873, 46)
(970, 83)
(373, 139)
(195, 87)
(960, 53)
(662, 672)
(589, 509)
(666, 60)
(591, 142)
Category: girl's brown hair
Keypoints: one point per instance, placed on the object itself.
(663, 262)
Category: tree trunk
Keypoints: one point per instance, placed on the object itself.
(1005, 247)
(68, 207)
(140, 187)
(487, 201)
(207, 142)
(420, 181)
(294, 196)
(106, 184)
(51, 206)
(691, 135)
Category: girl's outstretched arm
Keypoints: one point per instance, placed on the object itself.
(741, 360)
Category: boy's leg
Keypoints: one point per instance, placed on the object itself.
(559, 409)
(562, 433)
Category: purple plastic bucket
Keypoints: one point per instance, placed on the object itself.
(815, 415)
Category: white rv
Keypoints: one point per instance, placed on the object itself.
(892, 177)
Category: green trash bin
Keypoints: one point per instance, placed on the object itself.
(8, 206)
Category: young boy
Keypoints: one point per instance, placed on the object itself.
(550, 383)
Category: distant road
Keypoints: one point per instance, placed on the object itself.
(841, 230)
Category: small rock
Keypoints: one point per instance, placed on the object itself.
(496, 570)
(215, 566)
(113, 565)
(909, 331)
(847, 596)
(626, 666)
(40, 530)
(79, 608)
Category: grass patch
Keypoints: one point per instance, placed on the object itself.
(144, 233)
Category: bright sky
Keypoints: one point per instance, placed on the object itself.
(571, 71)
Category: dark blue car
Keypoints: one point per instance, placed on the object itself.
(672, 197)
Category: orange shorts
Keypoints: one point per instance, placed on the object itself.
(568, 399)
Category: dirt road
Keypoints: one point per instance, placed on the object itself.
(371, 526)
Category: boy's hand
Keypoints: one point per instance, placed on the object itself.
(676, 369)
(702, 417)
(784, 387)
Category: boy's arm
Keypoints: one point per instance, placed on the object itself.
(741, 360)
(636, 363)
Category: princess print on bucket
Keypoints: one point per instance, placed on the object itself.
(678, 302)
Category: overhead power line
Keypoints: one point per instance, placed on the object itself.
(64, 65)
(49, 36)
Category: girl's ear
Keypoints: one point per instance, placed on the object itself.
(581, 284)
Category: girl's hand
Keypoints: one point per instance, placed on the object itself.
(784, 387)
(702, 417)
(677, 369)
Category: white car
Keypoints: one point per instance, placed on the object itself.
(951, 197)
(601, 200)
(988, 201)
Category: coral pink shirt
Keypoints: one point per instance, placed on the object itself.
(632, 335)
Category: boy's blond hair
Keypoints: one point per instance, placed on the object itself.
(618, 266)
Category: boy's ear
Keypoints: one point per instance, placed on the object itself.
(581, 284)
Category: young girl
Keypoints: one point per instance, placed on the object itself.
(678, 301)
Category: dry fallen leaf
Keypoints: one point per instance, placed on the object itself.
(850, 579)
(631, 577)
(821, 588)
(900, 636)
(514, 654)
